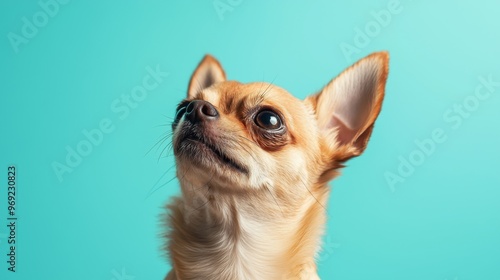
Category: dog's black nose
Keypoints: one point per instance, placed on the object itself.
(199, 110)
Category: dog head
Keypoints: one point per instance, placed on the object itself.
(238, 139)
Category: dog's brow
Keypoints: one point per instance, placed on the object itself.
(228, 103)
(242, 106)
(255, 99)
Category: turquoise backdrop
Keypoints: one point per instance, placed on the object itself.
(89, 87)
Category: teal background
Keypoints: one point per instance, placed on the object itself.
(102, 221)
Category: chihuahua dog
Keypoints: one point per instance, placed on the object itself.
(254, 162)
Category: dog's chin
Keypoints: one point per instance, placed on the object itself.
(208, 162)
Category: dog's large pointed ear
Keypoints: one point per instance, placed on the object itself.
(208, 72)
(347, 107)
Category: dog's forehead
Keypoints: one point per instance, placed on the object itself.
(231, 94)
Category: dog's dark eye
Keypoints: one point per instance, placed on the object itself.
(268, 120)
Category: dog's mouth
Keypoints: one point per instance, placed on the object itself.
(197, 148)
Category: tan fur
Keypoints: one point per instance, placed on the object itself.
(266, 221)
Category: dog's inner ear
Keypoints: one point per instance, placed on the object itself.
(351, 102)
(208, 72)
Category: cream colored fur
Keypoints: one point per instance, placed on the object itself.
(265, 223)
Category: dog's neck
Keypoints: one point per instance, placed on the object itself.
(227, 236)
